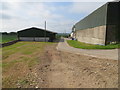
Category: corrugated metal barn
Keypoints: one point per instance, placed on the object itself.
(101, 26)
(36, 34)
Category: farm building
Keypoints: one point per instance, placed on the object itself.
(36, 34)
(101, 26)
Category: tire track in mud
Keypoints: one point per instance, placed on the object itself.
(66, 70)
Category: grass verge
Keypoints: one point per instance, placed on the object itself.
(82, 45)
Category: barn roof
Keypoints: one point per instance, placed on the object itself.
(37, 29)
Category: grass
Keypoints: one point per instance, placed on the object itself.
(82, 45)
(18, 59)
(7, 38)
(23, 51)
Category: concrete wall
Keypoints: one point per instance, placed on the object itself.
(42, 39)
(95, 35)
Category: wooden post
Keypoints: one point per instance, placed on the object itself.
(45, 31)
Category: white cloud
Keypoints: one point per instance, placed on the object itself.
(28, 14)
(85, 7)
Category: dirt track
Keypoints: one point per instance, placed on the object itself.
(58, 69)
(65, 70)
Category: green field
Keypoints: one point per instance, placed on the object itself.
(22, 51)
(81, 45)
(17, 61)
(7, 38)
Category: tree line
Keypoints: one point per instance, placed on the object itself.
(10, 33)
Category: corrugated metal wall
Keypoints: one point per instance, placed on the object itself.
(113, 13)
(108, 15)
(97, 18)
(113, 21)
(34, 32)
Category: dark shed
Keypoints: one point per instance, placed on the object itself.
(36, 34)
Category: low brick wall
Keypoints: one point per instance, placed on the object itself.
(8, 43)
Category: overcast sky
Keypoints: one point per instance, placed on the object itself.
(60, 16)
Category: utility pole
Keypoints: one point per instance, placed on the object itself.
(65, 34)
(45, 31)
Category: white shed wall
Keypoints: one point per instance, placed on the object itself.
(42, 39)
